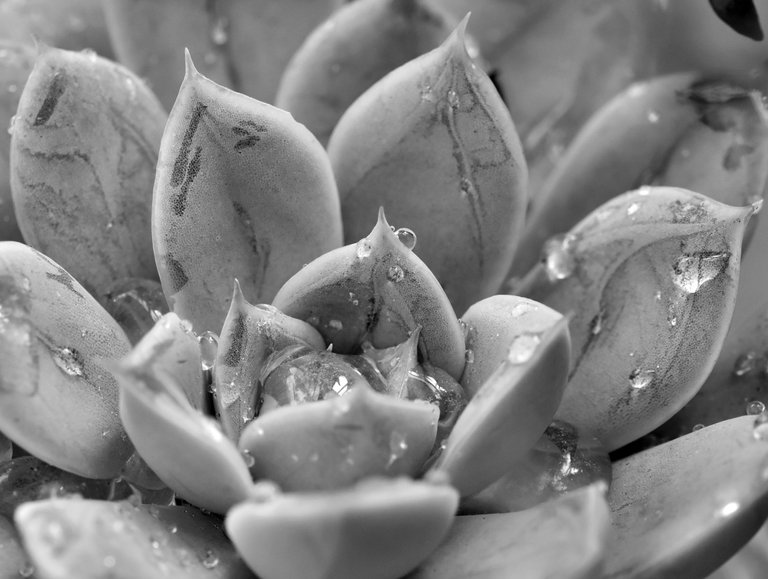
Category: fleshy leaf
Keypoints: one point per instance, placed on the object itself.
(359, 44)
(16, 62)
(95, 539)
(251, 334)
(59, 340)
(380, 529)
(333, 443)
(663, 262)
(14, 562)
(379, 291)
(243, 44)
(83, 154)
(564, 538)
(434, 144)
(182, 446)
(136, 304)
(228, 159)
(512, 408)
(675, 130)
(683, 508)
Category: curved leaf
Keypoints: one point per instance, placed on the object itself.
(251, 334)
(243, 44)
(333, 443)
(14, 562)
(95, 539)
(433, 143)
(379, 529)
(678, 510)
(663, 263)
(354, 48)
(83, 154)
(512, 408)
(564, 538)
(136, 304)
(58, 399)
(379, 291)
(242, 190)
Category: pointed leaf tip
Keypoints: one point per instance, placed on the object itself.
(741, 16)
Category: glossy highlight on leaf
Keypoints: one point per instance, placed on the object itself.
(226, 158)
(434, 144)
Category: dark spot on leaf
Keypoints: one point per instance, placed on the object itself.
(740, 15)
(184, 170)
(239, 335)
(176, 272)
(734, 154)
(247, 143)
(55, 90)
(64, 279)
(248, 139)
(180, 201)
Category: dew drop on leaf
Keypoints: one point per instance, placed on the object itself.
(755, 407)
(640, 379)
(249, 459)
(745, 363)
(69, 361)
(558, 259)
(407, 237)
(210, 559)
(397, 447)
(523, 347)
(363, 248)
(453, 99)
(209, 346)
(469, 356)
(633, 208)
(395, 274)
(690, 272)
(27, 570)
(697, 427)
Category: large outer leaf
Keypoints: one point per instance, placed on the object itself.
(242, 190)
(683, 508)
(433, 143)
(649, 281)
(83, 154)
(57, 399)
(244, 44)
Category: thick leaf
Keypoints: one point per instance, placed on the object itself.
(182, 446)
(380, 529)
(58, 400)
(243, 44)
(564, 538)
(14, 562)
(16, 61)
(354, 48)
(433, 143)
(251, 334)
(741, 15)
(98, 539)
(378, 291)
(242, 190)
(711, 138)
(648, 281)
(513, 407)
(136, 304)
(750, 561)
(83, 154)
(683, 508)
(334, 443)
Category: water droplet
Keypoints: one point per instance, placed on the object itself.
(336, 325)
(426, 94)
(249, 459)
(691, 271)
(173, 529)
(154, 543)
(639, 379)
(395, 274)
(210, 559)
(27, 570)
(407, 237)
(597, 324)
(558, 259)
(697, 427)
(453, 99)
(757, 203)
(353, 299)
(398, 446)
(209, 347)
(755, 407)
(469, 356)
(363, 248)
(760, 427)
(523, 308)
(69, 361)
(10, 124)
(653, 117)
(744, 364)
(220, 31)
(523, 347)
(633, 208)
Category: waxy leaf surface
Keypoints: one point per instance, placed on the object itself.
(434, 144)
(58, 400)
(648, 281)
(83, 154)
(228, 159)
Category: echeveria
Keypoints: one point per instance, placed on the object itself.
(219, 358)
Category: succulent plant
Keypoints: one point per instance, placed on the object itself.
(219, 359)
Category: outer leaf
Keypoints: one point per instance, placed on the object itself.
(242, 190)
(678, 510)
(57, 398)
(182, 446)
(376, 290)
(14, 562)
(663, 262)
(354, 48)
(16, 61)
(96, 539)
(251, 334)
(433, 143)
(378, 530)
(244, 44)
(512, 408)
(83, 154)
(674, 131)
(564, 538)
(136, 304)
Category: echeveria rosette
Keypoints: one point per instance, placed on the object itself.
(430, 408)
